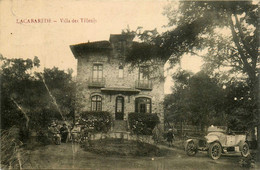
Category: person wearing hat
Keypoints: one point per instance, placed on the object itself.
(170, 137)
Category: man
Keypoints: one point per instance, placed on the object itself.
(170, 137)
(64, 133)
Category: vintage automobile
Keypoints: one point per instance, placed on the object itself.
(217, 142)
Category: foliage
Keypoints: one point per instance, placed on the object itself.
(99, 120)
(15, 82)
(236, 50)
(239, 17)
(239, 106)
(197, 99)
(30, 102)
(11, 155)
(142, 123)
(62, 88)
(198, 25)
(25, 100)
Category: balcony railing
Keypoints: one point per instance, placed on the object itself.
(96, 82)
(143, 84)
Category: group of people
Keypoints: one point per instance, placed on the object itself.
(66, 133)
(77, 133)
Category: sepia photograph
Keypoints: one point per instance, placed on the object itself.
(128, 84)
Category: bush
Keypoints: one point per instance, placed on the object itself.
(249, 161)
(142, 123)
(99, 121)
(11, 154)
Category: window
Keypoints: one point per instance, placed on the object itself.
(96, 103)
(121, 72)
(143, 73)
(97, 73)
(143, 81)
(143, 105)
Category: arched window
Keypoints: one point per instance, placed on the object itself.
(121, 72)
(96, 103)
(143, 105)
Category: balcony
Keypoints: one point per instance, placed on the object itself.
(96, 82)
(143, 84)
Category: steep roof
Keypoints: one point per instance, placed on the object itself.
(99, 46)
(96, 46)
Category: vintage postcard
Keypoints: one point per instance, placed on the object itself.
(120, 84)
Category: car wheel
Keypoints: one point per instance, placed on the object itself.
(245, 150)
(191, 149)
(215, 150)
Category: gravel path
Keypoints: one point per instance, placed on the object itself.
(62, 157)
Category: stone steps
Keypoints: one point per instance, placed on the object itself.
(119, 126)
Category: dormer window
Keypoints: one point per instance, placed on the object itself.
(121, 72)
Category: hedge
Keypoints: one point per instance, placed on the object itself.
(98, 121)
(142, 123)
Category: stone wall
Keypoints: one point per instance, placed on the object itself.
(111, 62)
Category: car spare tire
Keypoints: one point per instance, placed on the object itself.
(215, 150)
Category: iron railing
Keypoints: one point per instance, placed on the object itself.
(143, 84)
(96, 82)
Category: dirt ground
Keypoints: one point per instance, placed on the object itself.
(68, 156)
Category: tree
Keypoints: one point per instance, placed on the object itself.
(175, 104)
(202, 22)
(60, 89)
(196, 99)
(27, 100)
(196, 25)
(198, 21)
(15, 81)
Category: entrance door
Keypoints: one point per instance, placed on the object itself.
(119, 108)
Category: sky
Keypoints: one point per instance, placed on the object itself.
(50, 41)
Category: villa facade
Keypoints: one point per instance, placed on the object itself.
(107, 83)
